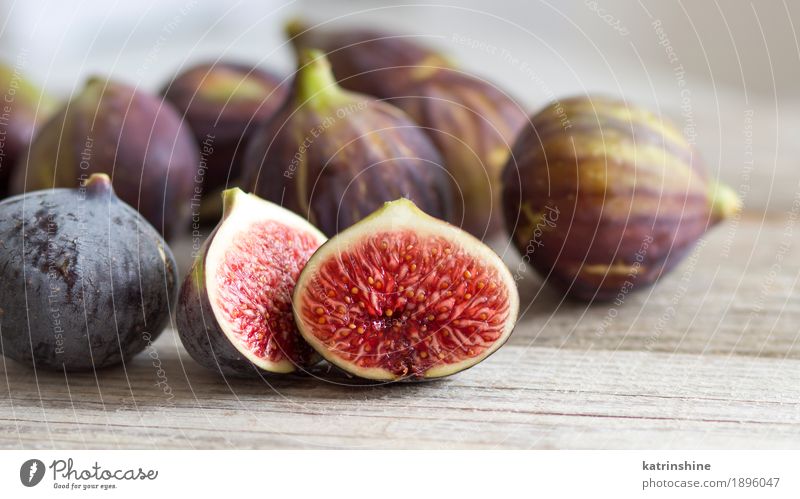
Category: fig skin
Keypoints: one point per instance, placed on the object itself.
(603, 197)
(334, 156)
(472, 122)
(198, 327)
(136, 138)
(223, 103)
(87, 282)
(355, 54)
(27, 108)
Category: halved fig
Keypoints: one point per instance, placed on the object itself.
(402, 295)
(235, 306)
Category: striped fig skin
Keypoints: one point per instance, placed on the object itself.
(603, 197)
(134, 137)
(334, 157)
(223, 103)
(472, 122)
(356, 54)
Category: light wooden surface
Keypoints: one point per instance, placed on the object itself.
(709, 358)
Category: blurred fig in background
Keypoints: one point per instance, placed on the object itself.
(603, 197)
(223, 103)
(128, 134)
(25, 108)
(356, 54)
(472, 122)
(335, 156)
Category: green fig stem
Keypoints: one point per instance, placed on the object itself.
(229, 199)
(724, 201)
(98, 185)
(295, 28)
(315, 84)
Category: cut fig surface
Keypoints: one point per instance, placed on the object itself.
(404, 295)
(236, 304)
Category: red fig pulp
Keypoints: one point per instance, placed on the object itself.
(235, 308)
(404, 295)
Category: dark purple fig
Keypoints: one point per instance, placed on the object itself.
(87, 282)
(223, 103)
(235, 306)
(128, 134)
(356, 53)
(603, 197)
(25, 108)
(472, 122)
(335, 156)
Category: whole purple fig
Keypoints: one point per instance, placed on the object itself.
(335, 156)
(355, 54)
(603, 197)
(135, 138)
(472, 121)
(223, 103)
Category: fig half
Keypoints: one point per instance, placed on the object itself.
(235, 306)
(403, 296)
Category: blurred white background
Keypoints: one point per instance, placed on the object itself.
(709, 64)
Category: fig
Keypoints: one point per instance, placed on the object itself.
(472, 122)
(222, 103)
(356, 54)
(603, 197)
(128, 134)
(235, 306)
(404, 296)
(87, 282)
(335, 156)
(25, 107)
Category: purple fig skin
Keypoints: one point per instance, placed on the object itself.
(355, 54)
(334, 157)
(603, 198)
(471, 121)
(474, 125)
(223, 103)
(199, 331)
(137, 139)
(87, 282)
(198, 325)
(27, 107)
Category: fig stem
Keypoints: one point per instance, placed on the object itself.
(229, 198)
(724, 201)
(294, 28)
(99, 184)
(315, 84)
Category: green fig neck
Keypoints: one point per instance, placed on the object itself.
(315, 84)
(98, 186)
(229, 197)
(724, 202)
(95, 81)
(294, 28)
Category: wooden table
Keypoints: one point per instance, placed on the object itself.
(708, 358)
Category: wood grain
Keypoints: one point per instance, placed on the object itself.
(708, 358)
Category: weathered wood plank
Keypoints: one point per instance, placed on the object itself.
(722, 371)
(521, 398)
